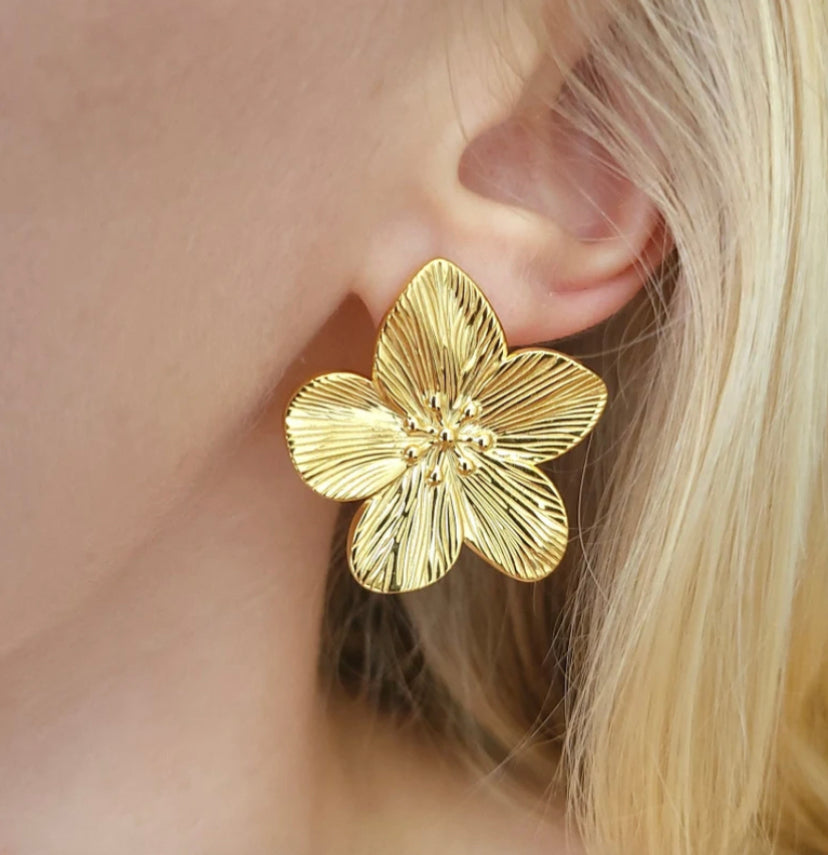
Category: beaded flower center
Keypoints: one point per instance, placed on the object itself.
(448, 435)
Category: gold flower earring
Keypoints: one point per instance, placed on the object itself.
(445, 440)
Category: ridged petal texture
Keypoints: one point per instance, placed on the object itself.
(407, 536)
(446, 440)
(440, 336)
(343, 440)
(540, 403)
(514, 518)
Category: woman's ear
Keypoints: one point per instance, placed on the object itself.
(539, 215)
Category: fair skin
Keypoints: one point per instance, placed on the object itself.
(190, 192)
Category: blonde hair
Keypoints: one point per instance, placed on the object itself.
(672, 675)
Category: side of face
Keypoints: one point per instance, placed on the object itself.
(186, 188)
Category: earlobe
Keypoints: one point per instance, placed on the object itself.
(544, 282)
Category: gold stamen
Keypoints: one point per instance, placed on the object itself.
(471, 411)
(465, 467)
(483, 441)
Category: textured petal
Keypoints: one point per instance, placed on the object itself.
(514, 518)
(342, 438)
(408, 536)
(540, 403)
(441, 336)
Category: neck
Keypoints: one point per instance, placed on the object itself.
(181, 699)
(177, 710)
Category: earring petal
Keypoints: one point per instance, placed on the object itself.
(540, 404)
(441, 335)
(514, 518)
(343, 440)
(408, 536)
(444, 442)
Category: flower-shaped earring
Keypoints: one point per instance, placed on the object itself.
(445, 440)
